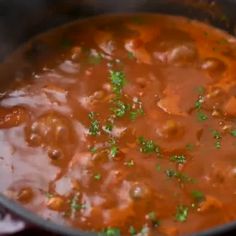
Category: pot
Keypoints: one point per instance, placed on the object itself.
(20, 20)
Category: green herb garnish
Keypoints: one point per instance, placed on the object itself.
(201, 90)
(114, 151)
(131, 55)
(74, 205)
(117, 81)
(218, 137)
(120, 109)
(233, 132)
(179, 176)
(158, 167)
(179, 159)
(93, 150)
(132, 231)
(148, 146)
(108, 127)
(190, 146)
(97, 176)
(153, 218)
(136, 113)
(110, 232)
(95, 126)
(181, 213)
(198, 103)
(198, 195)
(202, 116)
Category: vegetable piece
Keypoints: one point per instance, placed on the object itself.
(148, 146)
(210, 202)
(55, 203)
(181, 213)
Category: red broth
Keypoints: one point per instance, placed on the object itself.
(123, 125)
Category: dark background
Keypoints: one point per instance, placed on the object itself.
(22, 19)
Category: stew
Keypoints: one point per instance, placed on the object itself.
(123, 125)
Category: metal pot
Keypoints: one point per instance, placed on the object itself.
(20, 20)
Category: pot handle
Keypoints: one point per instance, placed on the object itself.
(9, 224)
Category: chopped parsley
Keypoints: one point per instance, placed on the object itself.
(233, 133)
(97, 176)
(117, 81)
(197, 195)
(202, 116)
(129, 163)
(181, 213)
(198, 103)
(74, 205)
(218, 137)
(153, 218)
(134, 114)
(179, 176)
(179, 159)
(132, 231)
(94, 126)
(131, 55)
(113, 151)
(158, 167)
(110, 232)
(93, 150)
(190, 146)
(120, 109)
(148, 146)
(200, 90)
(108, 127)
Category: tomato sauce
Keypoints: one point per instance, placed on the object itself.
(123, 125)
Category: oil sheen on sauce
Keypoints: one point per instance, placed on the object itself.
(124, 125)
